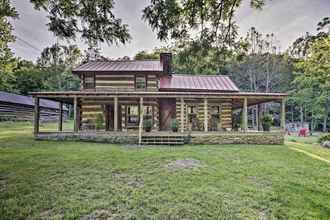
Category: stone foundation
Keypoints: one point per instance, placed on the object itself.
(239, 138)
(199, 138)
(90, 137)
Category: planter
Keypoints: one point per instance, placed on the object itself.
(266, 127)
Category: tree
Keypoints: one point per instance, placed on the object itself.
(313, 81)
(7, 61)
(93, 20)
(202, 25)
(57, 61)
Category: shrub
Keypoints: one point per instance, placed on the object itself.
(99, 122)
(147, 125)
(266, 122)
(174, 125)
(323, 138)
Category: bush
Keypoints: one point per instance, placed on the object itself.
(174, 125)
(147, 125)
(99, 122)
(266, 122)
(323, 138)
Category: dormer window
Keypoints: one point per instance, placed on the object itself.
(89, 81)
(140, 82)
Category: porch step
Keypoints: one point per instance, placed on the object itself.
(162, 140)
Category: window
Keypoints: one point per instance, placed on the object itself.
(132, 115)
(89, 81)
(215, 110)
(140, 82)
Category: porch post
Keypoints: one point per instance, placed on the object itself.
(36, 116)
(141, 120)
(244, 115)
(182, 114)
(115, 114)
(75, 114)
(283, 114)
(60, 121)
(205, 115)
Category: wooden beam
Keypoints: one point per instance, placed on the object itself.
(182, 114)
(36, 116)
(283, 114)
(75, 115)
(205, 115)
(115, 115)
(60, 121)
(141, 120)
(245, 115)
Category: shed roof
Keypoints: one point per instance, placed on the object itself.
(27, 100)
(122, 65)
(197, 83)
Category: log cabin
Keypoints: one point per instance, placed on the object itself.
(15, 107)
(122, 95)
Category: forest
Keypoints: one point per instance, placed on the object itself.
(201, 34)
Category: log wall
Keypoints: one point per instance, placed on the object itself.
(16, 112)
(123, 81)
(225, 119)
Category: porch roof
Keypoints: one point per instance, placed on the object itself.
(237, 97)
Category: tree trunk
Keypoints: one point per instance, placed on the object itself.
(325, 119)
(301, 115)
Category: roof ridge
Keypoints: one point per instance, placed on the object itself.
(105, 61)
(202, 75)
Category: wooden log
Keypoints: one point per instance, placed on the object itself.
(283, 114)
(244, 115)
(60, 122)
(141, 120)
(75, 114)
(115, 114)
(36, 116)
(205, 115)
(182, 114)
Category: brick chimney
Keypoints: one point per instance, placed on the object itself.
(166, 60)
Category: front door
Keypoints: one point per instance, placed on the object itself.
(167, 111)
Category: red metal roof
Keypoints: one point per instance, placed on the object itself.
(122, 65)
(197, 83)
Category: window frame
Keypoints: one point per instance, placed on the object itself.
(91, 84)
(145, 81)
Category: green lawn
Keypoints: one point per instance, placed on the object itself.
(73, 180)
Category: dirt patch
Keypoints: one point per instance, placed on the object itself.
(133, 181)
(101, 214)
(184, 164)
(51, 214)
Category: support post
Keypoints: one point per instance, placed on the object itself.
(182, 114)
(115, 114)
(60, 121)
(36, 116)
(75, 115)
(244, 115)
(141, 120)
(205, 115)
(283, 114)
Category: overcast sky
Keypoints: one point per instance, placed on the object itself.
(287, 19)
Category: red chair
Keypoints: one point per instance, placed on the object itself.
(303, 132)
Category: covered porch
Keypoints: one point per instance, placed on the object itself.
(116, 125)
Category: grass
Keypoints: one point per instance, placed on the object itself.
(71, 180)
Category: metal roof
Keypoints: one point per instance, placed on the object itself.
(27, 100)
(122, 65)
(197, 83)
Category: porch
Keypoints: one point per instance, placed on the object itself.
(181, 108)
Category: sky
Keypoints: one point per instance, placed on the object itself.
(287, 19)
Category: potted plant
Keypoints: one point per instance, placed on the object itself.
(174, 125)
(147, 125)
(266, 122)
(99, 122)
